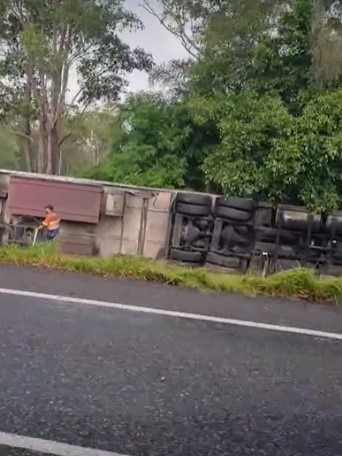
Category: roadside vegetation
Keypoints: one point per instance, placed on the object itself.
(298, 284)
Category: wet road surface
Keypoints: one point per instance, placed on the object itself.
(141, 384)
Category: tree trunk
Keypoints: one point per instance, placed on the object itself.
(42, 164)
(48, 155)
(55, 151)
(28, 149)
(28, 152)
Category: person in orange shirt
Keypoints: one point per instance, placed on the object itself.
(50, 223)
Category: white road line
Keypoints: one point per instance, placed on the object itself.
(50, 447)
(171, 313)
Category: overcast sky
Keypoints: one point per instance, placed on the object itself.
(154, 39)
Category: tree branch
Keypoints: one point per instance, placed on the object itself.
(65, 137)
(22, 135)
(187, 42)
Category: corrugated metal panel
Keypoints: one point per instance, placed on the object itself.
(73, 202)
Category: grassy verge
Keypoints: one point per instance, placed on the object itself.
(299, 283)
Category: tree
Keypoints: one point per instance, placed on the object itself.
(327, 42)
(185, 19)
(254, 93)
(314, 151)
(211, 27)
(250, 129)
(287, 47)
(302, 57)
(158, 147)
(91, 134)
(267, 153)
(41, 43)
(173, 77)
(223, 38)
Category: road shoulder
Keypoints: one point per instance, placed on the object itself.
(146, 294)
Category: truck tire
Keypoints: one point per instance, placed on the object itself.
(243, 204)
(186, 256)
(193, 209)
(236, 215)
(224, 261)
(194, 198)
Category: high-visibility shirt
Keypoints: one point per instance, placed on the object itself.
(51, 221)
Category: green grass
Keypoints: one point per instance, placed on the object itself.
(298, 283)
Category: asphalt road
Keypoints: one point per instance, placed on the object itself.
(140, 384)
(5, 451)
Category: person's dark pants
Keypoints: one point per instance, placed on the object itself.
(50, 235)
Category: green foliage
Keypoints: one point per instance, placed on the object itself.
(9, 149)
(250, 128)
(155, 148)
(316, 150)
(274, 155)
(282, 60)
(276, 108)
